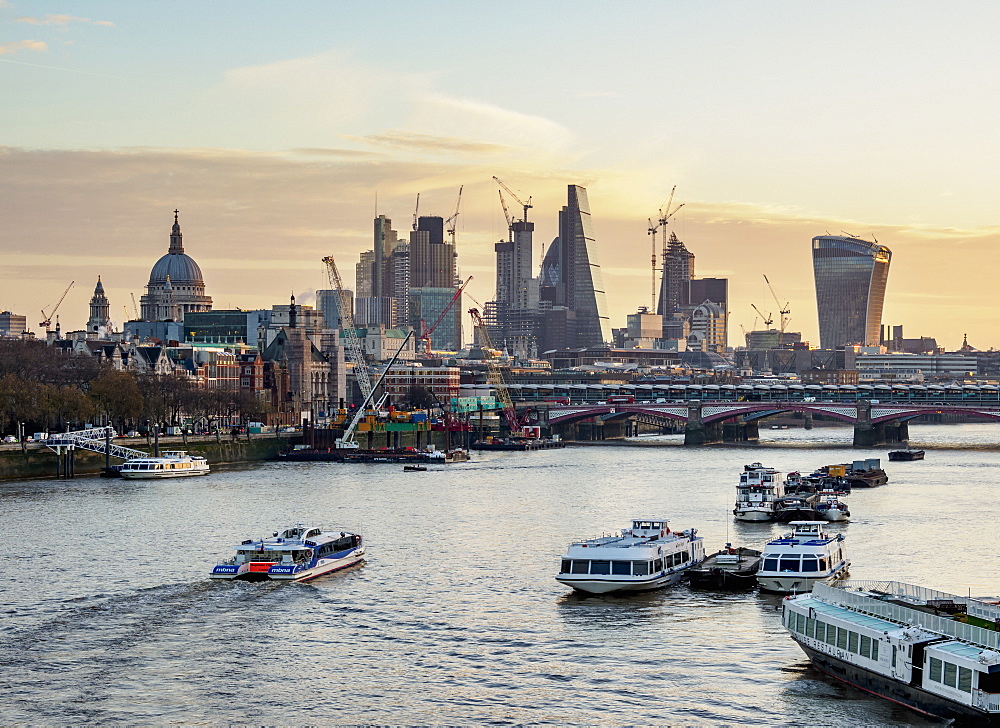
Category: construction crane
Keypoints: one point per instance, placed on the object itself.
(135, 309)
(767, 318)
(506, 214)
(425, 336)
(524, 205)
(666, 212)
(452, 222)
(784, 310)
(46, 321)
(354, 349)
(416, 210)
(494, 374)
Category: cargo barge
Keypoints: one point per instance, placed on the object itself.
(386, 455)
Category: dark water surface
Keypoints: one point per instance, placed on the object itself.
(109, 617)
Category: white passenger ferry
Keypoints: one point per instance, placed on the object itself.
(173, 464)
(298, 553)
(800, 559)
(647, 556)
(936, 653)
(759, 488)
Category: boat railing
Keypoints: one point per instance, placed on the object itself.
(989, 702)
(848, 594)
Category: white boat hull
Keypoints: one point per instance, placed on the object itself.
(157, 475)
(797, 583)
(596, 585)
(756, 515)
(322, 567)
(833, 515)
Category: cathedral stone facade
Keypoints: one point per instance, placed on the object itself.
(176, 285)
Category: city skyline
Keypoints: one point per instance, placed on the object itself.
(771, 143)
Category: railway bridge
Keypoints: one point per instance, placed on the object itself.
(710, 422)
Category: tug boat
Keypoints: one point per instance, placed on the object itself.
(798, 507)
(298, 553)
(173, 464)
(831, 508)
(756, 493)
(798, 560)
(730, 569)
(935, 653)
(646, 556)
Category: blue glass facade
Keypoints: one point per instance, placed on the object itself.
(850, 276)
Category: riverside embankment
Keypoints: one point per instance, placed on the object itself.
(37, 461)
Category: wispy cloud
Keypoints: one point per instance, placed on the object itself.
(23, 45)
(62, 20)
(431, 143)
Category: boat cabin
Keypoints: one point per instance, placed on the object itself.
(650, 528)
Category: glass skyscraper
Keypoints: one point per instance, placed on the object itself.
(850, 289)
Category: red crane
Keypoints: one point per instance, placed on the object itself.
(425, 335)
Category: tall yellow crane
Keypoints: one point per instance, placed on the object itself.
(494, 374)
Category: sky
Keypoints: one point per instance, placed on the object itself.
(279, 129)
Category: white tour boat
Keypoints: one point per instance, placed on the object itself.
(802, 558)
(936, 653)
(298, 553)
(172, 464)
(647, 556)
(759, 488)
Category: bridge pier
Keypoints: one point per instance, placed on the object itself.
(697, 432)
(740, 430)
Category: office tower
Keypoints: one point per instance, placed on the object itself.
(427, 305)
(708, 328)
(571, 275)
(364, 275)
(850, 279)
(328, 303)
(432, 260)
(715, 290)
(675, 286)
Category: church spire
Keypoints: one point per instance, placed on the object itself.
(176, 239)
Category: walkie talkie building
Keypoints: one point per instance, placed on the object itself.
(850, 289)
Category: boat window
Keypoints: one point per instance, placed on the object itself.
(800, 622)
(770, 564)
(640, 568)
(894, 655)
(809, 564)
(810, 627)
(822, 564)
(658, 565)
(965, 679)
(852, 642)
(580, 567)
(564, 568)
(842, 638)
(600, 567)
(875, 650)
(950, 675)
(820, 630)
(621, 568)
(312, 532)
(831, 635)
(866, 646)
(789, 563)
(989, 682)
(935, 672)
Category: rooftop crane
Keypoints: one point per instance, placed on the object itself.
(46, 321)
(506, 214)
(452, 222)
(666, 212)
(135, 309)
(783, 310)
(766, 317)
(425, 337)
(525, 205)
(494, 375)
(416, 210)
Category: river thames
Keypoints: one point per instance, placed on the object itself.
(109, 616)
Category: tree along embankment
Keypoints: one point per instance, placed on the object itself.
(40, 462)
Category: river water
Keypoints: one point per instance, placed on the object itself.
(109, 617)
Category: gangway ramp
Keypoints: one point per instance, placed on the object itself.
(98, 439)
